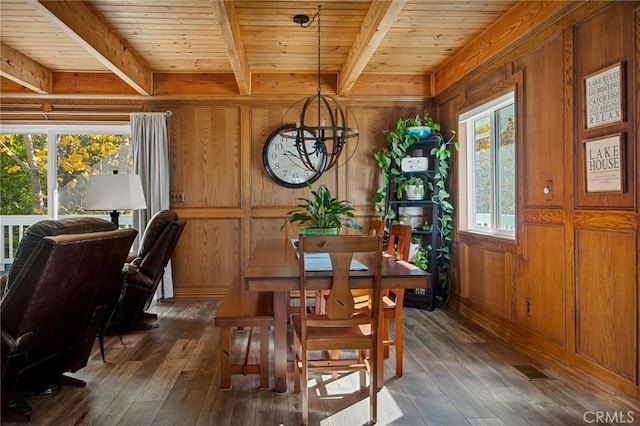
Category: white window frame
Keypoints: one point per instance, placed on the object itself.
(466, 175)
(52, 130)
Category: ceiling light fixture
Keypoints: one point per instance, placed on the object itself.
(322, 128)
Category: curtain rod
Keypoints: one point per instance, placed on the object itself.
(46, 114)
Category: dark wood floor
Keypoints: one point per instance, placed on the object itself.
(454, 374)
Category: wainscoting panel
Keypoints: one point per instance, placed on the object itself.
(607, 298)
(540, 293)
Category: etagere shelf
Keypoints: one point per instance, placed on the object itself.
(427, 230)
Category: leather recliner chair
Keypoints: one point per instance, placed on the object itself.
(60, 289)
(146, 269)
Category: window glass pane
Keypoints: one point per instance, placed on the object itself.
(505, 169)
(482, 168)
(489, 168)
(23, 188)
(83, 155)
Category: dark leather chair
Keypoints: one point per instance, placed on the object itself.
(49, 228)
(60, 289)
(147, 268)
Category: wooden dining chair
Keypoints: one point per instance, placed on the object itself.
(392, 299)
(376, 227)
(291, 231)
(398, 245)
(343, 327)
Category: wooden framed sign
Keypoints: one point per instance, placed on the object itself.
(604, 164)
(604, 96)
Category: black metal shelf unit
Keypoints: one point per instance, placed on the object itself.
(422, 298)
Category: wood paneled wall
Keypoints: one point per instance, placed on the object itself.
(567, 289)
(230, 202)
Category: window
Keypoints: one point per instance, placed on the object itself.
(45, 169)
(488, 169)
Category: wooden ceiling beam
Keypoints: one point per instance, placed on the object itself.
(379, 19)
(23, 70)
(229, 27)
(80, 23)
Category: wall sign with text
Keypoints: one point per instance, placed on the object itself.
(604, 164)
(604, 96)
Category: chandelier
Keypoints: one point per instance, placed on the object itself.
(322, 128)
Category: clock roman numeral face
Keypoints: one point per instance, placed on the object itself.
(282, 161)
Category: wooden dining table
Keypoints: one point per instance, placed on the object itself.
(273, 266)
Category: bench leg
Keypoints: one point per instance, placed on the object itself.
(225, 362)
(227, 368)
(264, 356)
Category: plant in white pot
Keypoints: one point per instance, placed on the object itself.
(413, 187)
(322, 213)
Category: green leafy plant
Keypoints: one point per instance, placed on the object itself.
(389, 159)
(446, 224)
(414, 179)
(322, 210)
(422, 255)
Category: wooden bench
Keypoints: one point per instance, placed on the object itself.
(241, 308)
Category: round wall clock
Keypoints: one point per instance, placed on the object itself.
(282, 161)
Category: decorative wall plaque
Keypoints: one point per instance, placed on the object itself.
(604, 164)
(604, 96)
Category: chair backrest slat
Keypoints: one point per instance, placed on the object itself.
(340, 308)
(399, 241)
(376, 227)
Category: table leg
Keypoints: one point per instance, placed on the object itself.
(380, 352)
(280, 340)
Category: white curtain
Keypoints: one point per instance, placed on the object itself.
(151, 162)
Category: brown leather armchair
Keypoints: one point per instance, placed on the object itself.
(146, 270)
(60, 289)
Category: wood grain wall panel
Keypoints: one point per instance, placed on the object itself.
(613, 30)
(356, 162)
(543, 138)
(205, 156)
(484, 278)
(208, 257)
(607, 298)
(361, 172)
(540, 293)
(267, 228)
(480, 89)
(576, 255)
(264, 191)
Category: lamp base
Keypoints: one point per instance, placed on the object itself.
(114, 218)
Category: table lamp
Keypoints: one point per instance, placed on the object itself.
(115, 192)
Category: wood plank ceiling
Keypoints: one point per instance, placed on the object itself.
(136, 38)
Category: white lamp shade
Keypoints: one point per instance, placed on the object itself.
(115, 192)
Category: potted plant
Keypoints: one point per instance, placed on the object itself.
(422, 128)
(413, 187)
(322, 213)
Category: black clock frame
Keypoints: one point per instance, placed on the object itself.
(267, 165)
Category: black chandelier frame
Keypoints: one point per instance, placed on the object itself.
(328, 136)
